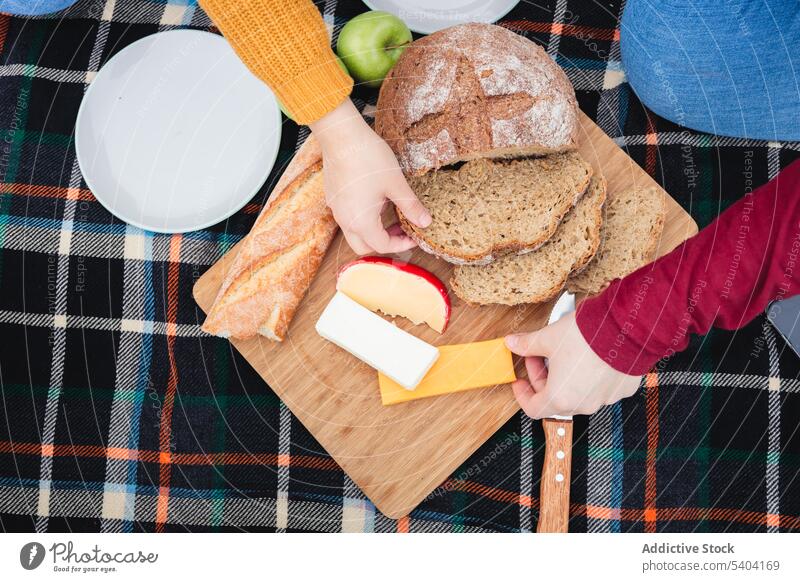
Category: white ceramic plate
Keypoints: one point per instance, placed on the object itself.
(175, 134)
(425, 17)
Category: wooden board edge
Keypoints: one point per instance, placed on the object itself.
(389, 510)
(205, 303)
(195, 292)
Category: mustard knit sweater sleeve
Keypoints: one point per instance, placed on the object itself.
(285, 44)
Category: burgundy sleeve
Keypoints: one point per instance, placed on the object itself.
(722, 277)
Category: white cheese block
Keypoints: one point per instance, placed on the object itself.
(384, 346)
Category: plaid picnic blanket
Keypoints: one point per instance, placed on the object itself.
(118, 414)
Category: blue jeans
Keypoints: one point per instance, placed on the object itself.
(728, 67)
(33, 7)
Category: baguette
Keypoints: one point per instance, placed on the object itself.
(278, 259)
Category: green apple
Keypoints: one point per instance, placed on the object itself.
(370, 45)
(283, 109)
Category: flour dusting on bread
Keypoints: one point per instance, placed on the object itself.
(475, 90)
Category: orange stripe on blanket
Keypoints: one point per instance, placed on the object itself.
(599, 512)
(4, 20)
(651, 138)
(773, 520)
(485, 491)
(578, 31)
(40, 191)
(594, 511)
(663, 514)
(638, 514)
(650, 484)
(80, 194)
(165, 428)
(148, 456)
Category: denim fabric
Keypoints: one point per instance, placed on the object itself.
(33, 7)
(728, 67)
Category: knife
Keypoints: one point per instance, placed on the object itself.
(555, 482)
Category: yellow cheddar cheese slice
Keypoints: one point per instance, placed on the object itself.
(459, 367)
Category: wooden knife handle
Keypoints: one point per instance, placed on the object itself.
(554, 489)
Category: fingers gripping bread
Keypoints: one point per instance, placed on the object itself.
(278, 259)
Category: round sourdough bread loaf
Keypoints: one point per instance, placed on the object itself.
(471, 91)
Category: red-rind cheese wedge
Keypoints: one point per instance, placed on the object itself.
(396, 288)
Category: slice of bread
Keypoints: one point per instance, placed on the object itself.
(539, 275)
(489, 208)
(634, 221)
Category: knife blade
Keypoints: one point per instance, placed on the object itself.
(564, 306)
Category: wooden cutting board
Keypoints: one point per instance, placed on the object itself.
(398, 454)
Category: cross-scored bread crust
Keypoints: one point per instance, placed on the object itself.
(475, 90)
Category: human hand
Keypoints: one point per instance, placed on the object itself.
(361, 175)
(575, 381)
